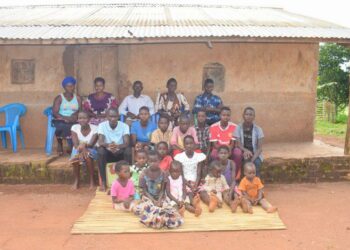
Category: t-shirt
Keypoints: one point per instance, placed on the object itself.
(113, 135)
(178, 137)
(190, 165)
(220, 135)
(165, 163)
(158, 136)
(217, 184)
(251, 187)
(120, 192)
(142, 134)
(76, 128)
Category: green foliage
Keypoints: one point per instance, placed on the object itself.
(333, 77)
(328, 128)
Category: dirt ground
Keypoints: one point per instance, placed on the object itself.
(331, 140)
(40, 217)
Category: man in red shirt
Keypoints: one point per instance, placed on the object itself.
(222, 133)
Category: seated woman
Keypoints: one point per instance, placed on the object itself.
(65, 112)
(142, 129)
(171, 104)
(250, 139)
(99, 102)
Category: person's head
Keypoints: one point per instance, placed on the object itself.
(184, 122)
(144, 114)
(122, 169)
(68, 84)
(223, 152)
(225, 114)
(201, 116)
(215, 169)
(137, 88)
(171, 85)
(249, 115)
(83, 118)
(113, 116)
(99, 84)
(208, 86)
(163, 123)
(162, 148)
(153, 159)
(175, 170)
(141, 157)
(189, 143)
(249, 170)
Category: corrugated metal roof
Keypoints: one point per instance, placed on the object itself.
(123, 21)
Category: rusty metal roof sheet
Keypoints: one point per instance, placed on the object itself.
(124, 21)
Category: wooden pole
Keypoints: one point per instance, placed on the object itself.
(347, 137)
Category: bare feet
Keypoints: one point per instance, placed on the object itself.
(75, 185)
(213, 203)
(234, 204)
(60, 148)
(103, 188)
(182, 211)
(271, 209)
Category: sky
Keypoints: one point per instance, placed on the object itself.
(335, 11)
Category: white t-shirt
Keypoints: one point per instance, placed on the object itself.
(84, 139)
(190, 164)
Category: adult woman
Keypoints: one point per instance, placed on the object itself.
(99, 102)
(171, 104)
(65, 111)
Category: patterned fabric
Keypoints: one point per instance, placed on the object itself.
(180, 103)
(99, 106)
(205, 100)
(158, 136)
(154, 187)
(158, 217)
(217, 184)
(203, 138)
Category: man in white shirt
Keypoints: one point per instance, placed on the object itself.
(131, 104)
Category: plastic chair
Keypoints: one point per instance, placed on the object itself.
(13, 112)
(50, 132)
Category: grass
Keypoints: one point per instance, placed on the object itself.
(337, 129)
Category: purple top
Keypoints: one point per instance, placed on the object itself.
(228, 173)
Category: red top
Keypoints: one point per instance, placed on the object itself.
(220, 135)
(164, 164)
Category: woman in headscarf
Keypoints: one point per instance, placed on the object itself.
(99, 102)
(171, 104)
(65, 111)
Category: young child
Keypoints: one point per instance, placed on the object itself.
(192, 163)
(122, 190)
(222, 133)
(202, 130)
(215, 189)
(252, 191)
(176, 190)
(179, 133)
(154, 210)
(141, 159)
(162, 133)
(165, 159)
(84, 137)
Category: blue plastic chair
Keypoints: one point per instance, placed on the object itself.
(13, 112)
(50, 132)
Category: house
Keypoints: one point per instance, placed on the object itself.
(263, 57)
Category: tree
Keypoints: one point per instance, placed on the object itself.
(333, 74)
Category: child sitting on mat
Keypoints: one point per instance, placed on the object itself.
(141, 159)
(122, 190)
(176, 190)
(252, 191)
(165, 158)
(215, 189)
(154, 210)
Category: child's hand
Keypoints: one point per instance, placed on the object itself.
(213, 191)
(247, 154)
(158, 203)
(127, 204)
(138, 146)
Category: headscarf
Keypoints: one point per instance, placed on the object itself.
(68, 80)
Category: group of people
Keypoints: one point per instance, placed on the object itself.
(168, 166)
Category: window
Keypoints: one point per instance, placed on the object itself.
(216, 72)
(22, 71)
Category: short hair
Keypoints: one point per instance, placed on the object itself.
(164, 117)
(176, 163)
(84, 112)
(170, 81)
(137, 82)
(224, 147)
(249, 108)
(162, 142)
(184, 116)
(119, 164)
(141, 151)
(202, 110)
(144, 108)
(153, 153)
(248, 164)
(225, 108)
(100, 79)
(207, 81)
(214, 164)
(188, 137)
(112, 109)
